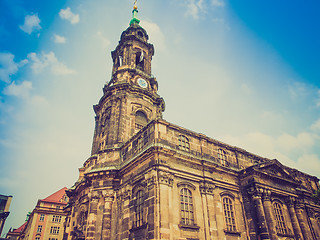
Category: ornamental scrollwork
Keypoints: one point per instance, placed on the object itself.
(150, 181)
(206, 188)
(108, 195)
(165, 178)
(255, 192)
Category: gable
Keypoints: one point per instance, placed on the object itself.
(275, 169)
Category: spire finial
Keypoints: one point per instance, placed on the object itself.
(135, 19)
(135, 4)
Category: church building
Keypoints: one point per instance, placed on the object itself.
(148, 178)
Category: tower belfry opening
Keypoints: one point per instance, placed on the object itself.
(147, 178)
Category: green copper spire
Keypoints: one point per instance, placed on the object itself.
(135, 19)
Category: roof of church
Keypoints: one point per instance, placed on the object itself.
(56, 197)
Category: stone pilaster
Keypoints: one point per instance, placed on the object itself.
(301, 215)
(108, 197)
(249, 211)
(94, 198)
(206, 189)
(262, 227)
(267, 205)
(165, 187)
(294, 219)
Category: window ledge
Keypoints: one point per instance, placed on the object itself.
(189, 227)
(285, 235)
(232, 232)
(143, 226)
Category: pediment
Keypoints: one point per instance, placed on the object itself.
(275, 169)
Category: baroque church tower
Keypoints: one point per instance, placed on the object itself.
(130, 99)
(147, 178)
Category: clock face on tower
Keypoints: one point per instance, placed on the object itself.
(142, 83)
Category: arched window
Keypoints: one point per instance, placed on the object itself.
(82, 220)
(186, 207)
(140, 34)
(140, 60)
(222, 157)
(120, 61)
(228, 209)
(139, 208)
(184, 143)
(141, 120)
(281, 226)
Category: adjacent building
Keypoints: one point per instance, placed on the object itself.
(5, 202)
(46, 220)
(14, 234)
(150, 179)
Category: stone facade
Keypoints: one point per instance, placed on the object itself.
(150, 179)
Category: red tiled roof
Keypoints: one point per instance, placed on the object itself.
(56, 197)
(20, 229)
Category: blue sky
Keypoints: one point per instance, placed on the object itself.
(243, 72)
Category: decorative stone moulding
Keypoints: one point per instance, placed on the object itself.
(206, 188)
(165, 178)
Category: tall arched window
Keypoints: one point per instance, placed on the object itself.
(222, 157)
(186, 207)
(281, 226)
(139, 208)
(228, 208)
(141, 120)
(184, 143)
(82, 220)
(140, 60)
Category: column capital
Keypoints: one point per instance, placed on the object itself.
(206, 187)
(266, 195)
(255, 192)
(311, 212)
(291, 201)
(299, 204)
(108, 195)
(165, 178)
(94, 195)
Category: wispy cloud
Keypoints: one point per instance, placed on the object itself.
(318, 99)
(8, 66)
(40, 62)
(105, 42)
(18, 90)
(195, 7)
(155, 33)
(69, 15)
(218, 3)
(316, 125)
(31, 23)
(288, 149)
(59, 39)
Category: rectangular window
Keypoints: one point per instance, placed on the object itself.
(56, 219)
(41, 219)
(54, 230)
(39, 230)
